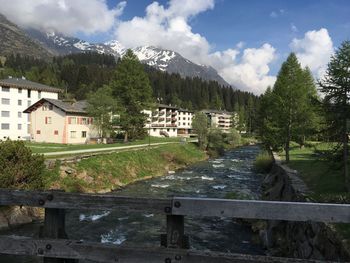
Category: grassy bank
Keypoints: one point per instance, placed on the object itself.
(324, 178)
(108, 172)
(55, 147)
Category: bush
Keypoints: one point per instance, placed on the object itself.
(233, 138)
(216, 142)
(263, 162)
(20, 169)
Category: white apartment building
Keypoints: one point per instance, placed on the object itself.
(57, 121)
(168, 121)
(17, 94)
(221, 119)
(184, 122)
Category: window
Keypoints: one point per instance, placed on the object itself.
(44, 107)
(19, 126)
(5, 89)
(5, 101)
(29, 93)
(173, 130)
(50, 107)
(29, 103)
(5, 126)
(154, 130)
(39, 94)
(55, 132)
(38, 132)
(48, 120)
(83, 134)
(5, 114)
(19, 102)
(19, 114)
(168, 130)
(84, 121)
(73, 134)
(28, 117)
(19, 90)
(28, 128)
(72, 120)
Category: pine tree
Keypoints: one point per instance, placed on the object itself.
(132, 88)
(335, 86)
(290, 100)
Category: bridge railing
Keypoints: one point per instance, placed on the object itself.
(54, 246)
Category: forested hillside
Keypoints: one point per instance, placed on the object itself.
(82, 73)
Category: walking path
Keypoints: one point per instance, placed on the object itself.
(108, 149)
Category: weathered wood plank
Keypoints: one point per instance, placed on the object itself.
(53, 199)
(271, 210)
(105, 253)
(175, 226)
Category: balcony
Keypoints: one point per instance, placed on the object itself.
(154, 119)
(161, 119)
(168, 113)
(173, 119)
(157, 125)
(155, 113)
(171, 125)
(168, 119)
(161, 113)
(174, 113)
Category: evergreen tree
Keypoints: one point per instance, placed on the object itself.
(290, 100)
(132, 88)
(102, 106)
(335, 86)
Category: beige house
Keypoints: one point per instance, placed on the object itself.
(58, 121)
(223, 120)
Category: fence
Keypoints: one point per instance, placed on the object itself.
(54, 245)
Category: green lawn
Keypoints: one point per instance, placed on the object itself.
(324, 178)
(55, 147)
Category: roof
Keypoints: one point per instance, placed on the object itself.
(216, 112)
(27, 84)
(68, 107)
(167, 106)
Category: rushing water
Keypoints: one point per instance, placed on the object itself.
(213, 178)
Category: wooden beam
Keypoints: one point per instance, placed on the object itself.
(54, 199)
(105, 253)
(270, 210)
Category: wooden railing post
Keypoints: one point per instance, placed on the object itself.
(175, 231)
(54, 228)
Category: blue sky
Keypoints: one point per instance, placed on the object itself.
(246, 41)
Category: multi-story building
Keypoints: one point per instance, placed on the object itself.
(16, 94)
(221, 119)
(168, 121)
(58, 121)
(184, 123)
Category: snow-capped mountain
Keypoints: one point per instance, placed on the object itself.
(162, 59)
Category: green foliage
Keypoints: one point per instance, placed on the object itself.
(335, 86)
(19, 168)
(233, 138)
(132, 88)
(263, 162)
(102, 106)
(287, 111)
(216, 143)
(200, 125)
(238, 196)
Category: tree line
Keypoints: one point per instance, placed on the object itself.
(293, 110)
(82, 73)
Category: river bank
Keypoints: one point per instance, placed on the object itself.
(212, 178)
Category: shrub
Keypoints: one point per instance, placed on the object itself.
(216, 142)
(20, 169)
(263, 162)
(233, 138)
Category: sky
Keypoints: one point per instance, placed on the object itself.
(246, 41)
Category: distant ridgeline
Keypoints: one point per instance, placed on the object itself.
(84, 72)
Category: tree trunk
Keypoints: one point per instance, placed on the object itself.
(126, 137)
(345, 158)
(287, 144)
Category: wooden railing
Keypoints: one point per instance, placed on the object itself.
(55, 246)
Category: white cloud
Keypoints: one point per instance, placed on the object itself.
(65, 16)
(168, 27)
(314, 50)
(275, 14)
(251, 72)
(293, 28)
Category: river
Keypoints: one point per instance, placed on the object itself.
(212, 178)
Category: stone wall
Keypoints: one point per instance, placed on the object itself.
(15, 216)
(307, 240)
